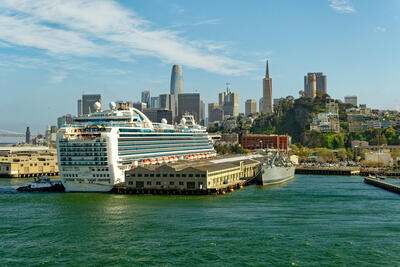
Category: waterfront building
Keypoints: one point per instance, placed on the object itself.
(229, 102)
(145, 97)
(88, 103)
(215, 113)
(184, 177)
(28, 161)
(167, 101)
(317, 81)
(97, 149)
(351, 100)
(250, 107)
(27, 136)
(139, 105)
(79, 107)
(260, 141)
(189, 103)
(157, 114)
(155, 102)
(266, 103)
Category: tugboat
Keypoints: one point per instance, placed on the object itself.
(278, 170)
(42, 184)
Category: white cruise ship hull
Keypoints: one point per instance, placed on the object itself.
(276, 175)
(85, 187)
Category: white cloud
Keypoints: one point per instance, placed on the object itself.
(103, 28)
(58, 77)
(342, 6)
(207, 22)
(380, 29)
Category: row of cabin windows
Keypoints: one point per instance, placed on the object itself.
(166, 175)
(101, 175)
(189, 184)
(99, 170)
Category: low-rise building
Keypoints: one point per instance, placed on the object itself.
(259, 141)
(183, 177)
(229, 138)
(379, 158)
(27, 161)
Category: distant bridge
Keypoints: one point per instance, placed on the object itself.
(7, 133)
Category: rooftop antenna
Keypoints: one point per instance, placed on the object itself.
(228, 87)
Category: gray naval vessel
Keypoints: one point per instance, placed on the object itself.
(276, 170)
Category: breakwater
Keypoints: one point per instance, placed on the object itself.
(383, 185)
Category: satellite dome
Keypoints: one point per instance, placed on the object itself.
(113, 105)
(97, 106)
(164, 120)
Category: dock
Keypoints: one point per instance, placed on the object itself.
(328, 171)
(389, 187)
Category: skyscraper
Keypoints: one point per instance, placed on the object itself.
(189, 103)
(146, 97)
(88, 102)
(176, 80)
(202, 112)
(320, 81)
(250, 107)
(79, 107)
(28, 136)
(155, 102)
(215, 113)
(267, 101)
(167, 101)
(176, 84)
(229, 102)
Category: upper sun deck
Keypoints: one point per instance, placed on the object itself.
(125, 118)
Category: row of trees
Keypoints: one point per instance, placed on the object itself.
(228, 149)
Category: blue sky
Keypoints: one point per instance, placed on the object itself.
(53, 51)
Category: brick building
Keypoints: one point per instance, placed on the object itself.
(255, 141)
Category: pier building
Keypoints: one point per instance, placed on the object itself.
(201, 177)
(28, 161)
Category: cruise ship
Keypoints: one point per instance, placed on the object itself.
(95, 151)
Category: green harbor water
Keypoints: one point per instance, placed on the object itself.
(309, 221)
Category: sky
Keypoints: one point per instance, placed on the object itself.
(51, 52)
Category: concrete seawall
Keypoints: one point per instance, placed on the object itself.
(383, 185)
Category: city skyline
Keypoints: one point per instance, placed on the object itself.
(52, 71)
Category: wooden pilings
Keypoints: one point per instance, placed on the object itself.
(327, 171)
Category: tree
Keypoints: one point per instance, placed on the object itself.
(342, 154)
(391, 136)
(379, 139)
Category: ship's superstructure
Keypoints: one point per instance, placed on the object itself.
(96, 150)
